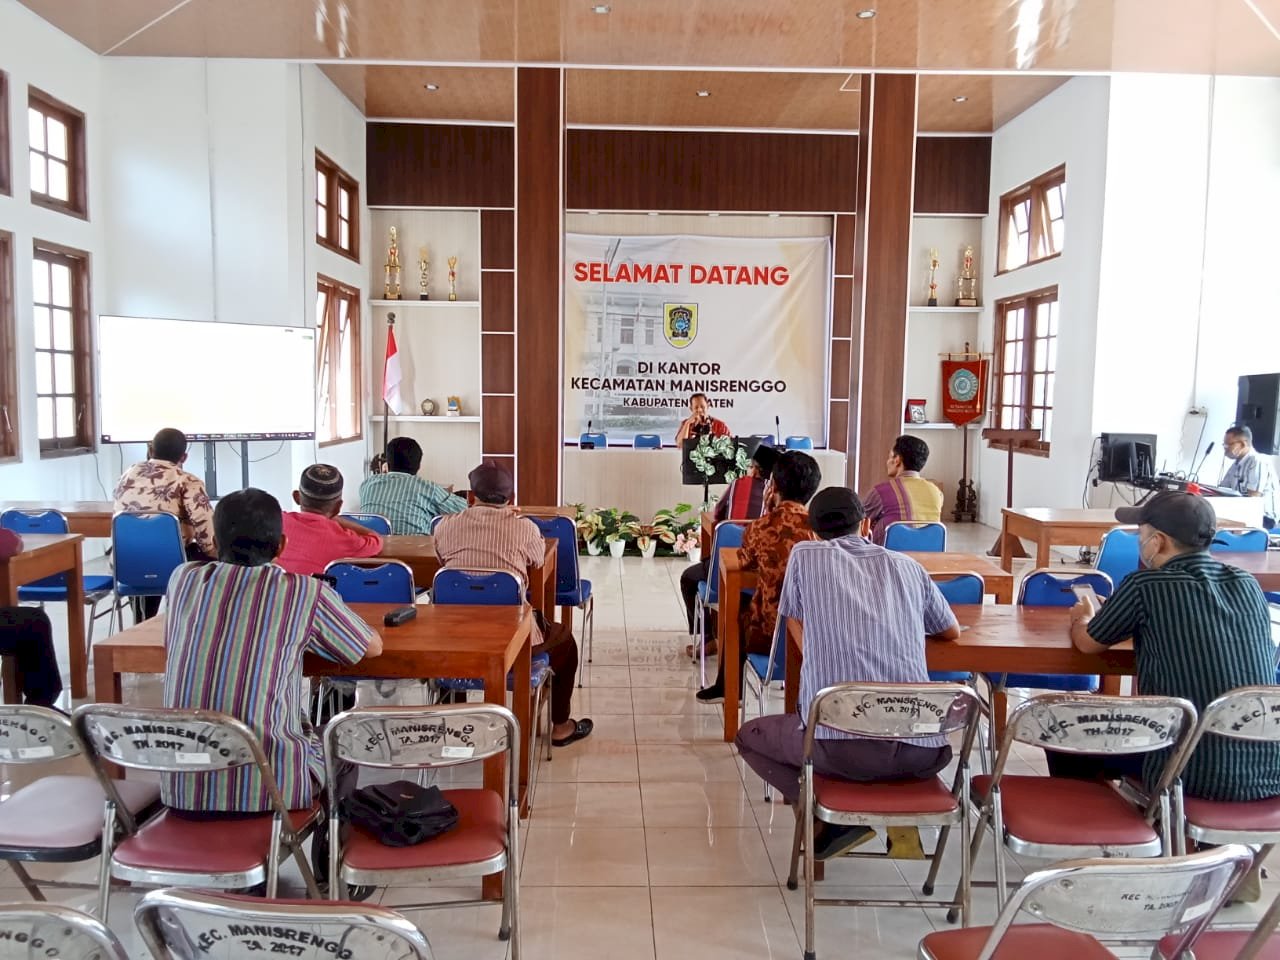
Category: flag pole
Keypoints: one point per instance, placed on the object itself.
(386, 407)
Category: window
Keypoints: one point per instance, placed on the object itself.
(1032, 221)
(8, 372)
(56, 138)
(648, 332)
(5, 183)
(63, 348)
(337, 209)
(1026, 358)
(627, 330)
(338, 384)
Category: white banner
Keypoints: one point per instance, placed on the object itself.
(651, 320)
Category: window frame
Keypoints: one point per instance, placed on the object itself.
(337, 180)
(82, 350)
(77, 204)
(1040, 230)
(10, 416)
(6, 141)
(328, 342)
(1028, 302)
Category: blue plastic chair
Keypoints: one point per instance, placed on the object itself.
(766, 439)
(374, 521)
(598, 440)
(647, 441)
(1118, 554)
(758, 672)
(372, 581)
(571, 590)
(728, 533)
(964, 589)
(145, 549)
(908, 537)
(435, 522)
(799, 443)
(1252, 540)
(54, 589)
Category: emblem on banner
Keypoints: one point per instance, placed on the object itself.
(680, 323)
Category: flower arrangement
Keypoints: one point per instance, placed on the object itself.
(714, 453)
(686, 544)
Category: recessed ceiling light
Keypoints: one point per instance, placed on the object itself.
(600, 8)
(431, 86)
(865, 14)
(959, 99)
(704, 93)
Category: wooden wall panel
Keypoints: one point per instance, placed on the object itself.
(497, 363)
(840, 369)
(498, 422)
(435, 165)
(953, 175)
(508, 462)
(497, 299)
(661, 170)
(539, 223)
(842, 307)
(844, 245)
(861, 191)
(838, 430)
(497, 239)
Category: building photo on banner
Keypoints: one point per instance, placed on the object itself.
(650, 320)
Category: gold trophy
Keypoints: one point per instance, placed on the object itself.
(391, 281)
(453, 278)
(967, 282)
(933, 278)
(424, 274)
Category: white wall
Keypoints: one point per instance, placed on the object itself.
(1069, 126)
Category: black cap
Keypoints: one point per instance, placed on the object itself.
(491, 483)
(320, 482)
(835, 511)
(1183, 516)
(765, 457)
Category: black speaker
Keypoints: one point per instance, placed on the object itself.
(1258, 408)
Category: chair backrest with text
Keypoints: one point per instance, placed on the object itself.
(893, 711)
(30, 930)
(1251, 540)
(372, 581)
(147, 548)
(909, 537)
(373, 521)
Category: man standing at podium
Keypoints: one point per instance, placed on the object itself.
(700, 422)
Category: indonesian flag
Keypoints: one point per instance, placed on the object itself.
(391, 374)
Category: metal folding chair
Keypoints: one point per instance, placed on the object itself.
(486, 838)
(373, 521)
(229, 852)
(1261, 942)
(51, 930)
(179, 924)
(1081, 903)
(886, 711)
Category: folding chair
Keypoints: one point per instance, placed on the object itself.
(145, 550)
(766, 439)
(372, 581)
(911, 537)
(1261, 942)
(727, 534)
(54, 589)
(486, 838)
(374, 521)
(56, 818)
(571, 590)
(51, 930)
(758, 671)
(1057, 817)
(799, 443)
(886, 711)
(1249, 540)
(179, 924)
(435, 522)
(647, 441)
(1081, 903)
(593, 441)
(229, 852)
(1118, 554)
(964, 589)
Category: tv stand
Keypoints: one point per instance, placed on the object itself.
(211, 467)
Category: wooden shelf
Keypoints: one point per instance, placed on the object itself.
(934, 425)
(377, 417)
(945, 309)
(426, 303)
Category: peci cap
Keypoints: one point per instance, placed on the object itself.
(766, 457)
(320, 482)
(491, 483)
(835, 510)
(1183, 516)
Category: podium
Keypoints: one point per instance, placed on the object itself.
(691, 476)
(1013, 437)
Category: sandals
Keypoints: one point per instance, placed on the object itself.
(581, 728)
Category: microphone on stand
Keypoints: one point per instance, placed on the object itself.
(777, 426)
(588, 444)
(1195, 474)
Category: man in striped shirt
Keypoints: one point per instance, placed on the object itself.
(906, 495)
(235, 636)
(866, 613)
(407, 501)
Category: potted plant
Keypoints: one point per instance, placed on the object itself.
(690, 545)
(648, 535)
(718, 458)
(614, 527)
(590, 526)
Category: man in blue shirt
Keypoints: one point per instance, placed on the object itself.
(1252, 473)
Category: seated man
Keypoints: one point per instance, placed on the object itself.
(316, 536)
(491, 535)
(1252, 473)
(700, 423)
(905, 495)
(407, 501)
(27, 635)
(766, 546)
(743, 500)
(866, 612)
(235, 635)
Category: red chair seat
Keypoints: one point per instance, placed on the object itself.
(481, 834)
(902, 796)
(1262, 816)
(1039, 940)
(65, 812)
(1222, 945)
(1065, 812)
(237, 844)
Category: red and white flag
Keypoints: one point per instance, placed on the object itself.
(391, 374)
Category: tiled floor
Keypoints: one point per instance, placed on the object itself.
(651, 840)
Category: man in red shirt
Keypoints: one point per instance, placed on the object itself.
(315, 536)
(700, 421)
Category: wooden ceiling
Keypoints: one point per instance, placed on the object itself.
(1047, 36)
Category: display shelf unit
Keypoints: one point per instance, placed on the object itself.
(434, 419)
(931, 310)
(426, 304)
(932, 425)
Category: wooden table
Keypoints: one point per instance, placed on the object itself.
(418, 552)
(706, 531)
(441, 641)
(1052, 526)
(44, 555)
(944, 566)
(90, 518)
(535, 511)
(1264, 565)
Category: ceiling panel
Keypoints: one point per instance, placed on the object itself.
(100, 26)
(464, 93)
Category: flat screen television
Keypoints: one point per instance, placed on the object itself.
(1127, 457)
(211, 380)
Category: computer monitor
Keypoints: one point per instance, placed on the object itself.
(1127, 457)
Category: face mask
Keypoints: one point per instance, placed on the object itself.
(1142, 558)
